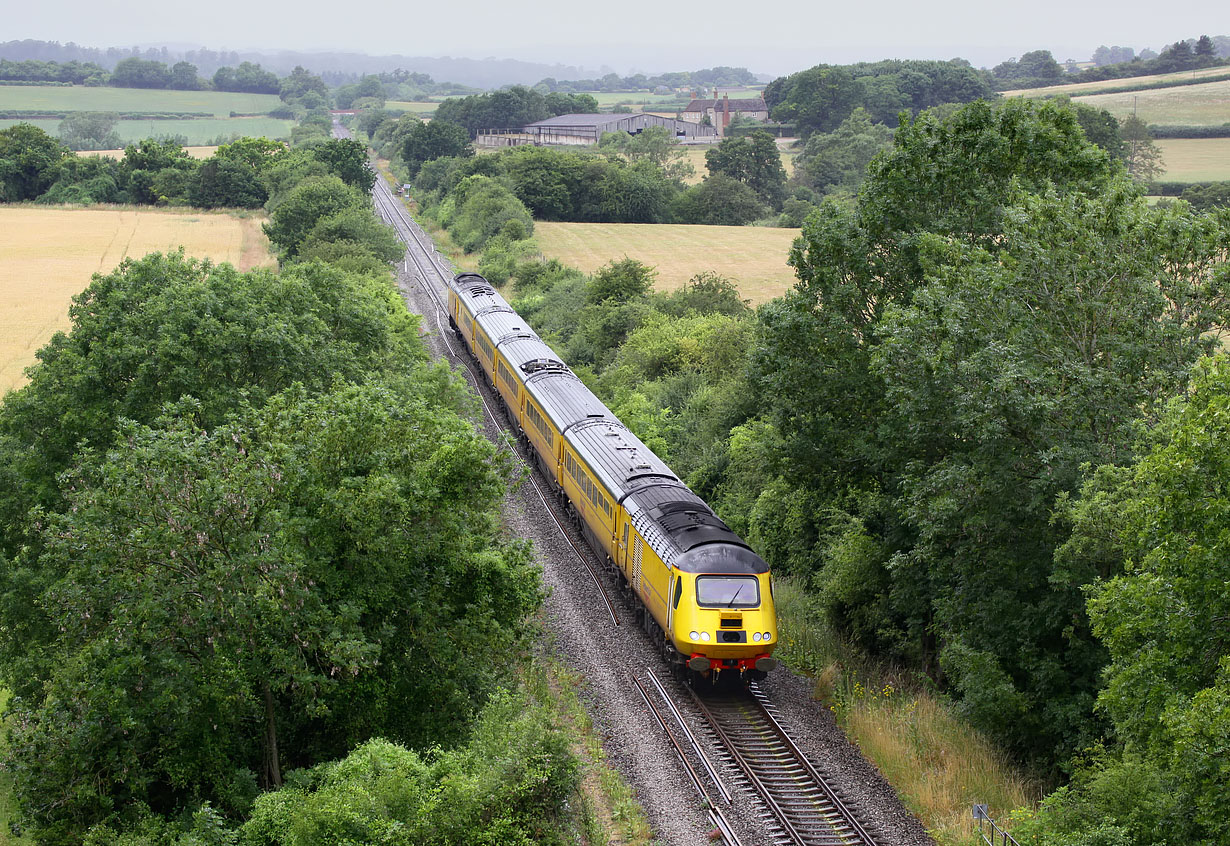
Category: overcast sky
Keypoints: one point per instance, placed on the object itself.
(646, 35)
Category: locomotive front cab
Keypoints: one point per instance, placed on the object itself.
(723, 619)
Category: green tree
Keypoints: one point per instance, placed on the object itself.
(167, 326)
(437, 139)
(346, 159)
(1140, 154)
(90, 131)
(656, 144)
(995, 311)
(28, 162)
(636, 193)
(299, 83)
(261, 597)
(183, 77)
(311, 200)
(140, 73)
(621, 281)
(839, 159)
(753, 160)
(1101, 128)
(356, 225)
(720, 201)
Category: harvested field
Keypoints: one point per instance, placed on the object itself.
(47, 255)
(1195, 159)
(753, 256)
(1102, 85)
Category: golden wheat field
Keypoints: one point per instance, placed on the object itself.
(47, 255)
(753, 256)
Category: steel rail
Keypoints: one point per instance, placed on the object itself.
(715, 815)
(395, 214)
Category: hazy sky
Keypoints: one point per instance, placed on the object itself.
(634, 34)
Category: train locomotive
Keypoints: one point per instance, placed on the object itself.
(704, 596)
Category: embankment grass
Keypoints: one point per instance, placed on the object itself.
(939, 765)
(47, 255)
(753, 256)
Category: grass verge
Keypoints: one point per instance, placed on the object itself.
(8, 802)
(938, 765)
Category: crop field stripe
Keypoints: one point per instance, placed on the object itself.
(1192, 105)
(198, 132)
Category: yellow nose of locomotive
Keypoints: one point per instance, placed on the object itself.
(729, 622)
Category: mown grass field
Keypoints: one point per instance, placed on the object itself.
(1195, 159)
(753, 256)
(1207, 104)
(1095, 87)
(79, 98)
(47, 255)
(198, 132)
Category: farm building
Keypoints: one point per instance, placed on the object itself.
(588, 129)
(721, 111)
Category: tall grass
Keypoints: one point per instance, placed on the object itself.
(939, 765)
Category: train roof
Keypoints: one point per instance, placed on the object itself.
(501, 324)
(530, 356)
(685, 533)
(565, 399)
(477, 293)
(618, 457)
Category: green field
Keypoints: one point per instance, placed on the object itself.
(1191, 105)
(198, 132)
(419, 108)
(79, 98)
(1095, 87)
(753, 256)
(1195, 159)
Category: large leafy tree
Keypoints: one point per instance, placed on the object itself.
(434, 140)
(753, 160)
(28, 162)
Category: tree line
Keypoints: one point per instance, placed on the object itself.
(1039, 67)
(699, 81)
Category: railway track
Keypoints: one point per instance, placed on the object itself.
(433, 272)
(798, 805)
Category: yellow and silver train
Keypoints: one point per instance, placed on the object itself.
(707, 597)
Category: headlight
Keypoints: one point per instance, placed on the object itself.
(756, 637)
(694, 635)
(767, 636)
(705, 637)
